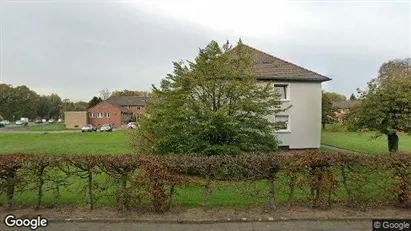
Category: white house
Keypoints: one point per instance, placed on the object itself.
(300, 88)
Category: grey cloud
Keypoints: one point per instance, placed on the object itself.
(76, 49)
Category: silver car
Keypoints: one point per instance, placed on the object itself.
(88, 128)
(106, 128)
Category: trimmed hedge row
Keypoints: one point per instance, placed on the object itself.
(356, 178)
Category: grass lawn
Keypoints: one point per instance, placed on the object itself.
(66, 143)
(363, 142)
(45, 127)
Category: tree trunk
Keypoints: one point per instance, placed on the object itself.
(10, 182)
(90, 190)
(40, 187)
(271, 192)
(393, 142)
(170, 200)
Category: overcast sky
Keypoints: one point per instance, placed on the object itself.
(76, 48)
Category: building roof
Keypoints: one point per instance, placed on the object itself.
(122, 109)
(346, 104)
(129, 100)
(269, 67)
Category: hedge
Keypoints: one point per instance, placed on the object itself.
(139, 179)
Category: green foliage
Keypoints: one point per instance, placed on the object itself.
(49, 106)
(303, 177)
(131, 93)
(94, 101)
(211, 106)
(334, 97)
(385, 107)
(352, 97)
(17, 102)
(67, 105)
(326, 108)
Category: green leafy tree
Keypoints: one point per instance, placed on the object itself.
(67, 105)
(352, 97)
(385, 107)
(94, 101)
(335, 97)
(17, 102)
(326, 109)
(211, 106)
(49, 106)
(131, 93)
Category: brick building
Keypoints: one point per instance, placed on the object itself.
(117, 110)
(134, 104)
(108, 113)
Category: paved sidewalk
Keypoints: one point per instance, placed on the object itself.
(243, 226)
(337, 149)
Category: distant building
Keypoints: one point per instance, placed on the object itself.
(117, 110)
(75, 119)
(342, 108)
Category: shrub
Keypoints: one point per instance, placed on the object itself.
(361, 179)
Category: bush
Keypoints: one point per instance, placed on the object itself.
(321, 178)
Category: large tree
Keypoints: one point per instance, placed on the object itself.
(94, 101)
(17, 102)
(352, 97)
(212, 105)
(104, 94)
(334, 97)
(49, 106)
(385, 107)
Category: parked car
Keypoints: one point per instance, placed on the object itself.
(51, 121)
(5, 122)
(2, 125)
(88, 128)
(44, 121)
(131, 125)
(60, 121)
(38, 122)
(21, 122)
(106, 128)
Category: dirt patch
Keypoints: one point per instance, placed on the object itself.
(199, 214)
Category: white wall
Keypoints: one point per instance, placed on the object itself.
(305, 115)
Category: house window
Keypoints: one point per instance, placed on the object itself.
(283, 122)
(107, 115)
(138, 107)
(100, 115)
(282, 90)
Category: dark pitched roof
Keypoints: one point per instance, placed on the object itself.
(129, 100)
(345, 104)
(269, 67)
(122, 109)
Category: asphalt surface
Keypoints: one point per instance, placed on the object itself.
(252, 226)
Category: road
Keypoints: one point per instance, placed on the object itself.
(22, 131)
(257, 226)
